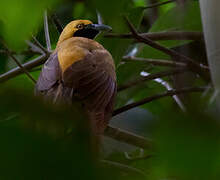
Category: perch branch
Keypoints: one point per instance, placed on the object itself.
(193, 65)
(151, 77)
(161, 36)
(157, 62)
(159, 4)
(128, 137)
(157, 96)
(29, 65)
(18, 63)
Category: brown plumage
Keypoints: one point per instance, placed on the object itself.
(81, 69)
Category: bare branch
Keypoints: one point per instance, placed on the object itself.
(29, 65)
(39, 45)
(128, 137)
(46, 31)
(159, 4)
(157, 62)
(143, 157)
(3, 51)
(158, 96)
(151, 77)
(161, 36)
(35, 48)
(25, 52)
(193, 65)
(99, 17)
(123, 167)
(18, 63)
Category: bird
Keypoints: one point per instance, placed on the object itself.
(81, 70)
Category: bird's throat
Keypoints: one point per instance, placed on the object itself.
(86, 33)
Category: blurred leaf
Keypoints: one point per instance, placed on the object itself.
(188, 146)
(127, 72)
(163, 9)
(149, 52)
(20, 18)
(180, 18)
(139, 3)
(79, 9)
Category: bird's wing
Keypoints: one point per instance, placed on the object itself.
(49, 75)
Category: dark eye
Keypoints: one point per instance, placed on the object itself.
(80, 26)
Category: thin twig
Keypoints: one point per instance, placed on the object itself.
(99, 17)
(128, 137)
(29, 65)
(144, 157)
(46, 31)
(193, 65)
(157, 96)
(159, 4)
(123, 167)
(3, 51)
(161, 36)
(151, 77)
(57, 23)
(18, 63)
(157, 62)
(25, 52)
(38, 44)
(34, 47)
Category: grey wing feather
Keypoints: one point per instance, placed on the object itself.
(49, 75)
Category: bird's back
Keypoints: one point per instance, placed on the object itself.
(80, 69)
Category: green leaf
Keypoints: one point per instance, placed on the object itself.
(149, 52)
(179, 18)
(139, 3)
(187, 146)
(20, 18)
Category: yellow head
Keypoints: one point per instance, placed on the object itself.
(82, 28)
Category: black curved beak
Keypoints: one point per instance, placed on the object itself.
(99, 27)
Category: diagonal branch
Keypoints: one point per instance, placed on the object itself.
(39, 45)
(157, 62)
(46, 31)
(29, 65)
(18, 63)
(34, 47)
(157, 96)
(128, 137)
(161, 36)
(193, 65)
(159, 4)
(151, 77)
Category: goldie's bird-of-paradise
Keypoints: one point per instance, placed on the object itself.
(80, 69)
